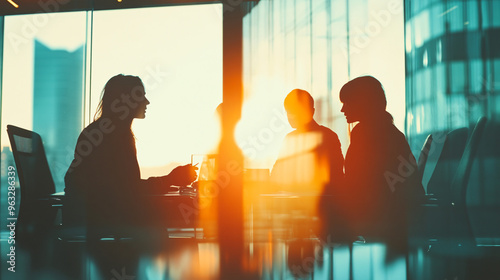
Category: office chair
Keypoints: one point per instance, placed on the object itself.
(437, 165)
(482, 206)
(456, 236)
(424, 154)
(439, 184)
(482, 193)
(39, 202)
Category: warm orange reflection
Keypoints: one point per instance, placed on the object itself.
(207, 203)
(284, 207)
(299, 167)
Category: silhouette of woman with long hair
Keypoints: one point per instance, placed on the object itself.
(380, 170)
(104, 176)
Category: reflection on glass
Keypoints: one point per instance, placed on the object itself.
(206, 166)
(43, 74)
(460, 86)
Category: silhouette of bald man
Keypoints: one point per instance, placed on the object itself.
(310, 159)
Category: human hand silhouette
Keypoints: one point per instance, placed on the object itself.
(183, 175)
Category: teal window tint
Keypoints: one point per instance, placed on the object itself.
(496, 77)
(458, 111)
(408, 37)
(425, 27)
(419, 80)
(495, 12)
(415, 6)
(472, 19)
(439, 98)
(6, 157)
(487, 14)
(495, 105)
(425, 3)
(436, 20)
(476, 76)
(455, 16)
(427, 82)
(419, 31)
(476, 107)
(457, 74)
(440, 85)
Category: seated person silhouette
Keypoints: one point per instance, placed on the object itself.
(104, 176)
(380, 170)
(310, 162)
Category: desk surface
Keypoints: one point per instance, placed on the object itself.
(172, 194)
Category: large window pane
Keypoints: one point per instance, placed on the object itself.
(181, 69)
(43, 83)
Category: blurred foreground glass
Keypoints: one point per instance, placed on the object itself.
(206, 166)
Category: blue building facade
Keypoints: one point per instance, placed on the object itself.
(58, 104)
(452, 65)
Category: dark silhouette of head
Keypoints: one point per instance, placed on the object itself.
(123, 98)
(299, 106)
(363, 99)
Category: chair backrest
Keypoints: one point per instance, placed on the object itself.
(424, 153)
(32, 167)
(483, 188)
(443, 158)
(461, 229)
(461, 179)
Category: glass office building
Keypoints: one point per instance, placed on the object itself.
(452, 65)
(58, 103)
(452, 79)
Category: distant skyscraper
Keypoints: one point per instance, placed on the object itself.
(452, 65)
(7, 160)
(57, 104)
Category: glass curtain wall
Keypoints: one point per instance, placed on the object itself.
(43, 60)
(42, 88)
(453, 79)
(55, 65)
(452, 65)
(318, 46)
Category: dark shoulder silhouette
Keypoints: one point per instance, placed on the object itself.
(310, 158)
(381, 174)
